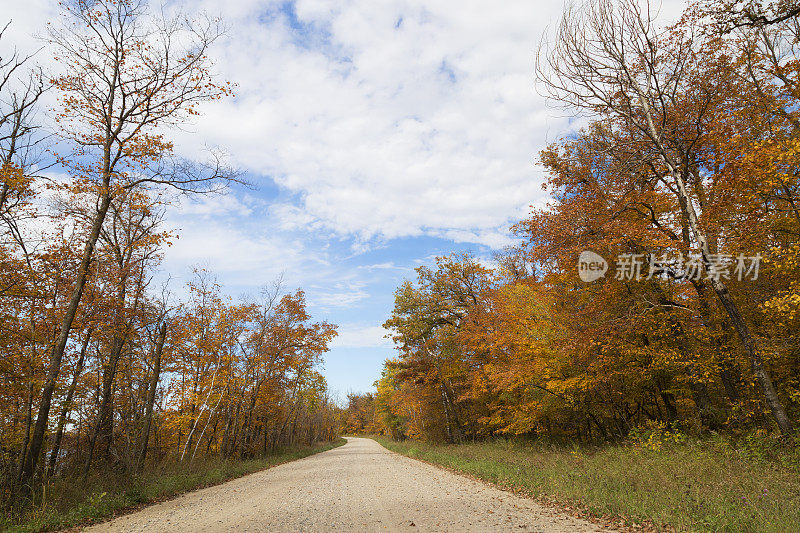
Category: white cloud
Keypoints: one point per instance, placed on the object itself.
(377, 120)
(343, 294)
(495, 239)
(290, 217)
(381, 266)
(387, 119)
(360, 336)
(233, 253)
(217, 205)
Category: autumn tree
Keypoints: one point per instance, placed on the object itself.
(125, 73)
(661, 89)
(21, 88)
(246, 374)
(129, 248)
(425, 321)
(686, 171)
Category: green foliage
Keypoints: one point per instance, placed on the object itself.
(654, 435)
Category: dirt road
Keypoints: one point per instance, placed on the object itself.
(357, 487)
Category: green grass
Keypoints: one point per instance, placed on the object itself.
(68, 502)
(693, 485)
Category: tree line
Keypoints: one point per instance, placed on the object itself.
(685, 179)
(102, 369)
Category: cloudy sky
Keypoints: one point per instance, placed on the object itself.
(378, 134)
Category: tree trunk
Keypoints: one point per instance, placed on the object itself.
(60, 345)
(745, 336)
(62, 418)
(26, 440)
(719, 287)
(151, 393)
(669, 404)
(727, 371)
(104, 425)
(105, 420)
(749, 344)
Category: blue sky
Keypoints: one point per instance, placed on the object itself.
(377, 134)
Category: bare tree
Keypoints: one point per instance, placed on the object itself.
(21, 87)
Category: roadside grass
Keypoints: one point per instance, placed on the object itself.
(689, 485)
(68, 502)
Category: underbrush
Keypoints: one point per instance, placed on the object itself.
(661, 479)
(68, 502)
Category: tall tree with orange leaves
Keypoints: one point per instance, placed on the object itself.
(126, 72)
(663, 91)
(687, 170)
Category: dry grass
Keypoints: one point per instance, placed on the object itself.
(688, 485)
(68, 502)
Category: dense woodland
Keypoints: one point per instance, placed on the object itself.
(689, 159)
(102, 369)
(687, 164)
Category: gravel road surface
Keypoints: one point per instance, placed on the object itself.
(360, 486)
